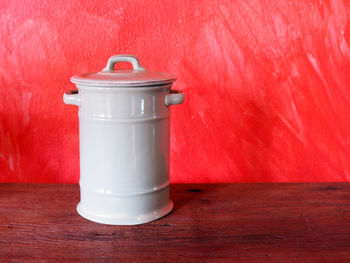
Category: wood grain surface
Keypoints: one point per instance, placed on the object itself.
(210, 223)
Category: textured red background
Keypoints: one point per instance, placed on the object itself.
(267, 84)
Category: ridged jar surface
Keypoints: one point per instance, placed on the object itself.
(124, 140)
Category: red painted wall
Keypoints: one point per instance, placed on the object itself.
(267, 84)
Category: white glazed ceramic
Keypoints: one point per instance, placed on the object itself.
(124, 142)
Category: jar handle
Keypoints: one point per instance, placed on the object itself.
(175, 97)
(123, 58)
(72, 97)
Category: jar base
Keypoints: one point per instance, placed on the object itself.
(125, 220)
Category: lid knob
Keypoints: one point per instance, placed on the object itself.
(123, 58)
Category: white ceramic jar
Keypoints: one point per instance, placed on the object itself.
(124, 142)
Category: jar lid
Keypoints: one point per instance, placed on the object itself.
(136, 77)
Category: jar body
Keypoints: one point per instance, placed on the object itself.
(124, 154)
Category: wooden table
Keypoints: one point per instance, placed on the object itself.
(210, 223)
